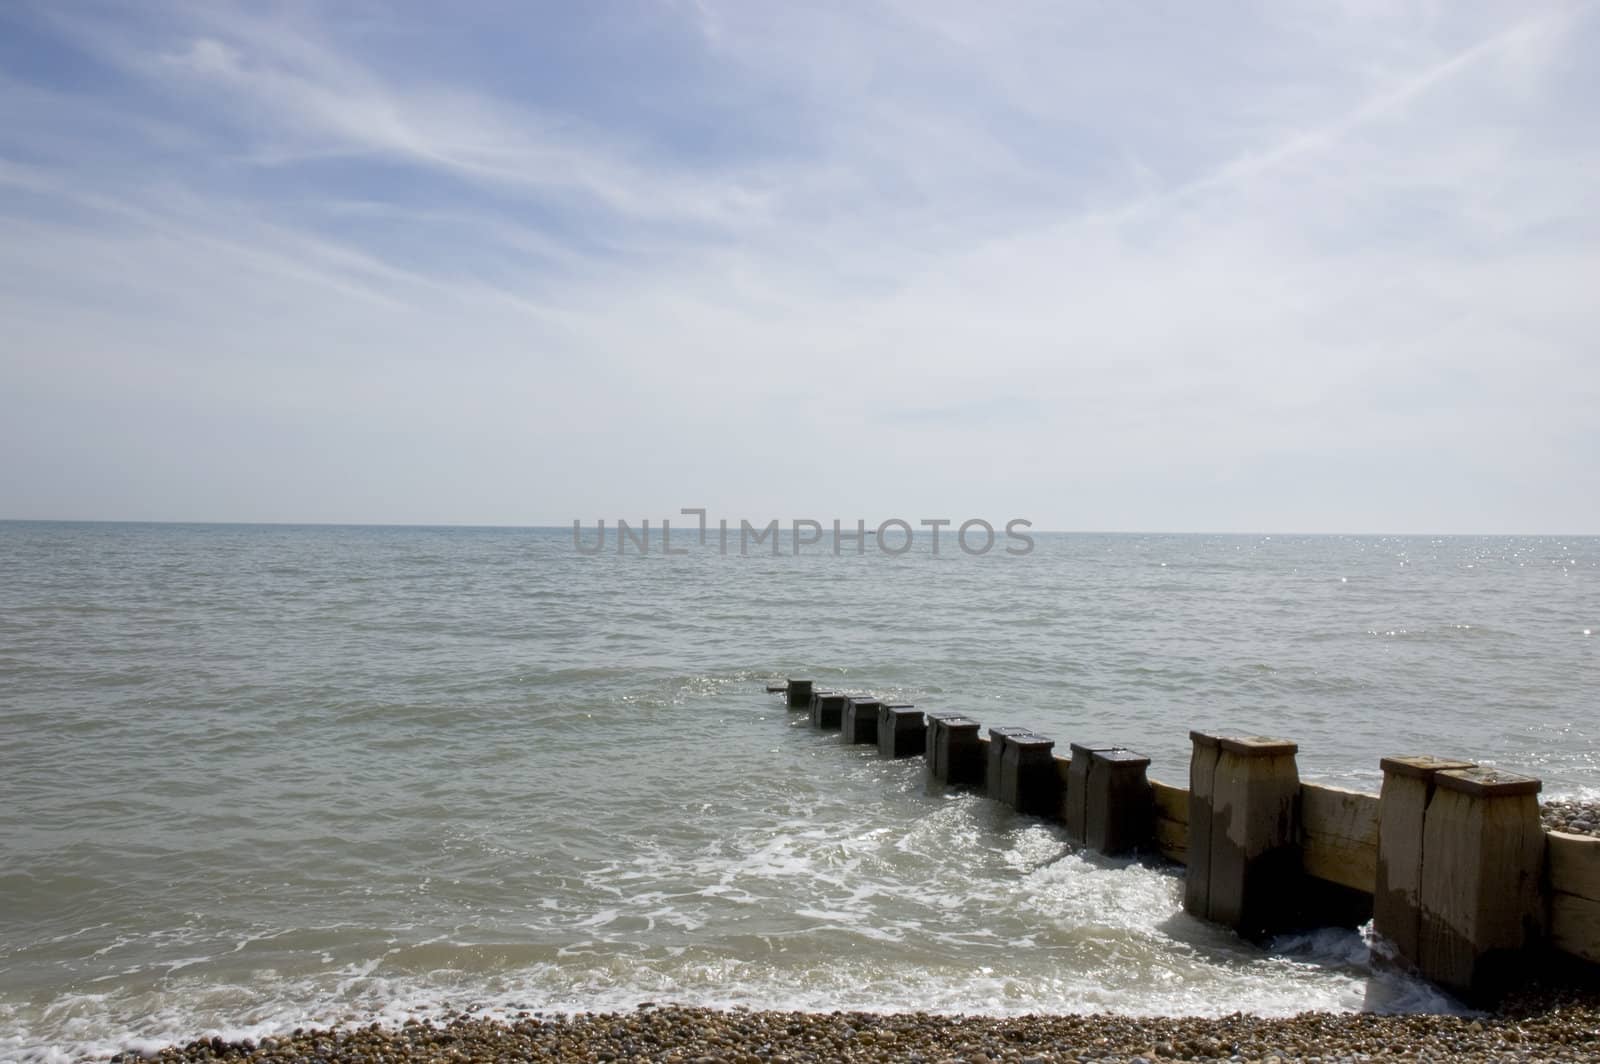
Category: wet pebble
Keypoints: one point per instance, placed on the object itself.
(1558, 1026)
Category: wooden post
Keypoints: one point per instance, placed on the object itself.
(1202, 785)
(827, 710)
(994, 770)
(1120, 810)
(1252, 868)
(1028, 780)
(954, 753)
(799, 692)
(1077, 801)
(1482, 859)
(860, 721)
(1572, 872)
(901, 731)
(1408, 785)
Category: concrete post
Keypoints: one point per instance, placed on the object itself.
(827, 710)
(1408, 784)
(1028, 780)
(1482, 858)
(954, 753)
(1251, 791)
(799, 692)
(860, 721)
(901, 731)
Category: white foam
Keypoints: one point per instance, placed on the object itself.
(1209, 974)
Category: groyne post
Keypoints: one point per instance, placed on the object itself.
(1118, 802)
(860, 721)
(1408, 785)
(1075, 807)
(1482, 859)
(799, 694)
(827, 710)
(1028, 780)
(994, 769)
(1451, 860)
(901, 730)
(1244, 852)
(955, 755)
(1202, 783)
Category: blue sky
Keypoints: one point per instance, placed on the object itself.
(1231, 267)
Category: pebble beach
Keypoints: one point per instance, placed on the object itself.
(1556, 1026)
(1574, 816)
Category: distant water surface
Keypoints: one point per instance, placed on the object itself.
(257, 777)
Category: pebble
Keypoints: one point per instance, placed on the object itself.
(1572, 815)
(1556, 1025)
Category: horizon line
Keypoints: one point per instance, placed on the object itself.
(562, 528)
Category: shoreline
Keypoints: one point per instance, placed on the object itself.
(1536, 1025)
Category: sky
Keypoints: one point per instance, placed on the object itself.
(1275, 267)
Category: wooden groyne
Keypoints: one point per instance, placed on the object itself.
(1449, 861)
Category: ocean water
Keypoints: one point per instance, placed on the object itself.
(256, 777)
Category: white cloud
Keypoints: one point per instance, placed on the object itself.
(1072, 262)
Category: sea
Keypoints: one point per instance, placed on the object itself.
(258, 777)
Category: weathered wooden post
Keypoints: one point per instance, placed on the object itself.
(1408, 785)
(1121, 814)
(1028, 780)
(954, 753)
(1244, 851)
(860, 723)
(1572, 876)
(1482, 858)
(1202, 784)
(901, 731)
(994, 770)
(799, 693)
(827, 710)
(1110, 804)
(1076, 806)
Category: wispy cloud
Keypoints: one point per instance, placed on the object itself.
(805, 258)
